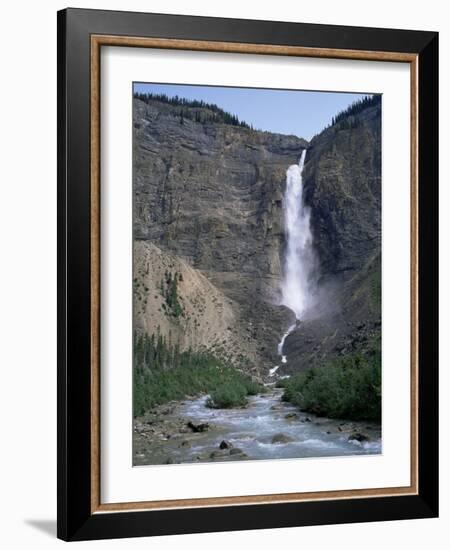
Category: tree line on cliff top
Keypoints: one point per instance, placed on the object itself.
(194, 109)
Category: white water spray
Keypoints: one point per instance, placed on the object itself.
(296, 288)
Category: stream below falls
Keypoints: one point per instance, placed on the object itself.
(266, 429)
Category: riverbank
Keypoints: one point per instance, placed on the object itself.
(267, 428)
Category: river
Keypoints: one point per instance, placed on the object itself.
(266, 429)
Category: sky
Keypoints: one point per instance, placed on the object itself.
(303, 114)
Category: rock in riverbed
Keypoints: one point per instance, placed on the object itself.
(198, 428)
(358, 436)
(277, 407)
(219, 454)
(237, 451)
(281, 439)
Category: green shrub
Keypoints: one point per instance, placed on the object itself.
(252, 387)
(234, 392)
(348, 387)
(229, 395)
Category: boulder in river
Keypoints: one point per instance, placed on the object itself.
(225, 445)
(277, 407)
(219, 454)
(281, 439)
(198, 428)
(358, 436)
(236, 451)
(291, 416)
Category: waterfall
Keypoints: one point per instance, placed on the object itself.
(296, 287)
(281, 344)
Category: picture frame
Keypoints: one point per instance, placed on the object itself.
(81, 36)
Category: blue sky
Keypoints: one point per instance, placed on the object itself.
(283, 111)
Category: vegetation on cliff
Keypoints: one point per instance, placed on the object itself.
(169, 290)
(163, 373)
(357, 107)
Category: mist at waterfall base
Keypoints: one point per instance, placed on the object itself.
(298, 286)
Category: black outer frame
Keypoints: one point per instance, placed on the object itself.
(75, 521)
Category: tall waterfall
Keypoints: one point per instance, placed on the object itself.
(296, 288)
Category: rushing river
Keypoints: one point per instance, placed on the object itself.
(253, 429)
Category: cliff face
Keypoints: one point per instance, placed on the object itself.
(211, 194)
(342, 179)
(208, 204)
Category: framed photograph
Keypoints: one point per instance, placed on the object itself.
(247, 274)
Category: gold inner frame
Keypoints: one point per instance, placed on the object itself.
(97, 41)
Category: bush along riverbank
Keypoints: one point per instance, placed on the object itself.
(163, 373)
(347, 388)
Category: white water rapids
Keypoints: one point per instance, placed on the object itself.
(296, 288)
(253, 428)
